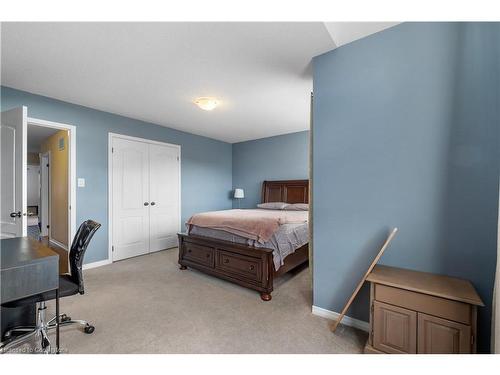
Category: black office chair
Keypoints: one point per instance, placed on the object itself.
(69, 285)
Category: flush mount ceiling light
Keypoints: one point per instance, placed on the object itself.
(206, 103)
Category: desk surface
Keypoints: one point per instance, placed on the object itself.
(27, 267)
(16, 252)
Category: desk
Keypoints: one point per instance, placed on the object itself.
(27, 267)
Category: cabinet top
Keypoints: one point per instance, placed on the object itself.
(427, 283)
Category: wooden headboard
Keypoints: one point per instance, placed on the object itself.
(289, 191)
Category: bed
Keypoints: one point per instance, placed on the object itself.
(243, 262)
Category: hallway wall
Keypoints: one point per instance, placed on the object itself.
(57, 144)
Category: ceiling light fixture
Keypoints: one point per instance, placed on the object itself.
(206, 103)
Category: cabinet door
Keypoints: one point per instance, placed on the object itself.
(394, 329)
(441, 336)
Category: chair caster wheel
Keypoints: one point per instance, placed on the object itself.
(89, 329)
(65, 318)
(45, 343)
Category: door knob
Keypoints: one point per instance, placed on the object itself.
(16, 214)
(146, 203)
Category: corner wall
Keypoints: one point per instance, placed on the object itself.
(59, 169)
(283, 157)
(406, 134)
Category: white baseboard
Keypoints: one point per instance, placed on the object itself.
(58, 244)
(99, 263)
(348, 321)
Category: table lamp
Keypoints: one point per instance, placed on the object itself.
(239, 194)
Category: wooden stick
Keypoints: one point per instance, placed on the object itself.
(375, 261)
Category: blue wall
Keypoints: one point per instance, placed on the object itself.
(406, 133)
(284, 157)
(206, 166)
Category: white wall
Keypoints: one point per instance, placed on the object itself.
(33, 185)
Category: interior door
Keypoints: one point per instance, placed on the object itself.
(13, 220)
(130, 198)
(164, 196)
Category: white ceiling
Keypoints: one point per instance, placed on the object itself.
(347, 32)
(36, 135)
(261, 72)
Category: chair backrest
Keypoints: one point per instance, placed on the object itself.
(77, 251)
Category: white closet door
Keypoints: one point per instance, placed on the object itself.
(130, 198)
(164, 196)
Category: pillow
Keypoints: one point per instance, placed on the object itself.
(273, 205)
(297, 207)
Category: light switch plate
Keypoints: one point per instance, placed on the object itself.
(81, 182)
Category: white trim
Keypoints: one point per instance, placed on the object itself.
(24, 160)
(58, 244)
(72, 168)
(49, 198)
(99, 263)
(495, 316)
(49, 190)
(110, 197)
(110, 182)
(348, 321)
(144, 140)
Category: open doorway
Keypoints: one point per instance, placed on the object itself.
(49, 188)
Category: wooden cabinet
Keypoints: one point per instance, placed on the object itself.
(421, 313)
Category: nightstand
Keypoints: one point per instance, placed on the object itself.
(416, 312)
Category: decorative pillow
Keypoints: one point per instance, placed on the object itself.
(297, 207)
(273, 205)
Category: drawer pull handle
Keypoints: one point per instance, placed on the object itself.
(189, 250)
(252, 268)
(226, 260)
(208, 255)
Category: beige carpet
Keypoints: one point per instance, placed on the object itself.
(147, 305)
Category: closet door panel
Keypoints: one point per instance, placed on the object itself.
(164, 196)
(131, 220)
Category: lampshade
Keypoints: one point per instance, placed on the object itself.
(239, 193)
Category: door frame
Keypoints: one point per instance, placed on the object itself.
(112, 136)
(71, 173)
(43, 156)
